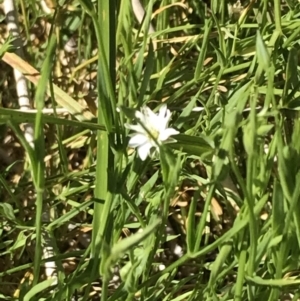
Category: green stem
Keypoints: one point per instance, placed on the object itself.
(277, 10)
(203, 217)
(39, 149)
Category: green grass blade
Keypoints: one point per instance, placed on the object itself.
(39, 148)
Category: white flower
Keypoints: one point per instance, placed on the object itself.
(152, 130)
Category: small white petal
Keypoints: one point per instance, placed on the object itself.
(144, 151)
(167, 133)
(152, 118)
(164, 120)
(162, 125)
(139, 115)
(137, 128)
(162, 111)
(137, 139)
(168, 115)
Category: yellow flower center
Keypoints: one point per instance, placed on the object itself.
(154, 133)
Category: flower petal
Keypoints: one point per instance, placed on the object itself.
(162, 111)
(140, 115)
(137, 128)
(164, 117)
(151, 117)
(144, 151)
(137, 140)
(164, 135)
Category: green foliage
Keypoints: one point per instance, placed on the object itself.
(229, 187)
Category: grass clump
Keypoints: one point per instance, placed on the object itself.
(213, 215)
